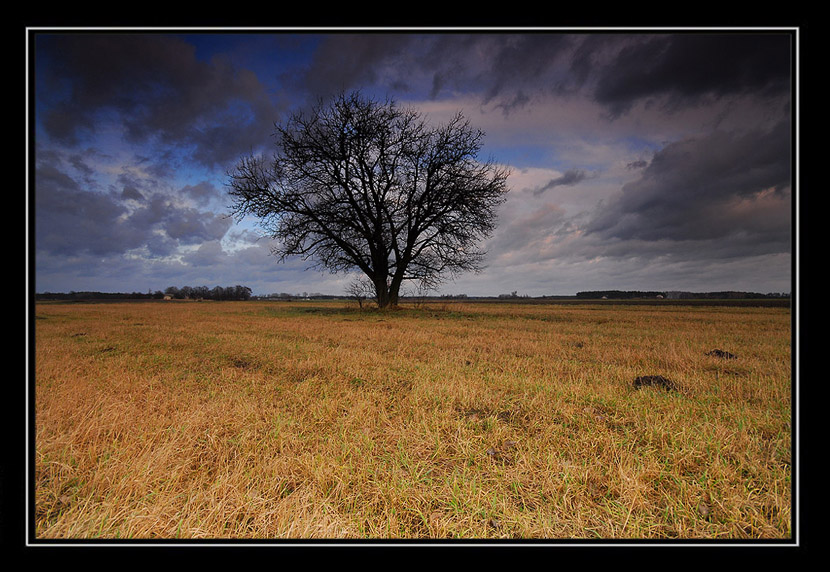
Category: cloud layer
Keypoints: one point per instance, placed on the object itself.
(641, 161)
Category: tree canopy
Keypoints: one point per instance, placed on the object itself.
(364, 185)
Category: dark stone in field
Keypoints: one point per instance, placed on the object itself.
(721, 354)
(658, 380)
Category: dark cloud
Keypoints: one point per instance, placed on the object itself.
(348, 61)
(210, 253)
(511, 70)
(687, 67)
(519, 65)
(568, 178)
(202, 193)
(710, 187)
(507, 69)
(70, 220)
(191, 226)
(637, 164)
(131, 193)
(154, 85)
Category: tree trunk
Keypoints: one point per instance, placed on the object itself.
(394, 289)
(387, 294)
(393, 297)
(382, 292)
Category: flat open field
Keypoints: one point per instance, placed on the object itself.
(268, 420)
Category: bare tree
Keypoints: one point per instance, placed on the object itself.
(362, 184)
(359, 289)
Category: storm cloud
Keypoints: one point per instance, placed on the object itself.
(686, 68)
(615, 70)
(156, 89)
(710, 187)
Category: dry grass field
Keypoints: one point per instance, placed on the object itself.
(310, 420)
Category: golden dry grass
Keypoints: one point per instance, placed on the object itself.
(315, 420)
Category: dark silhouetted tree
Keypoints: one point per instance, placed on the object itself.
(363, 185)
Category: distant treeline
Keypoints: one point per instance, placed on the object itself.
(184, 293)
(634, 294)
(618, 294)
(203, 292)
(727, 295)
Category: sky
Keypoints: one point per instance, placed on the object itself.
(642, 159)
